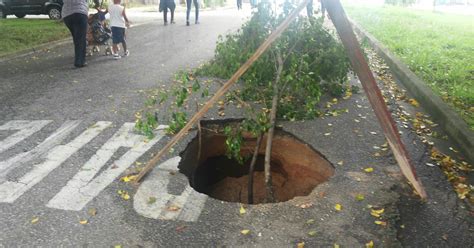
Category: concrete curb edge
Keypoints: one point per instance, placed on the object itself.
(448, 119)
(34, 49)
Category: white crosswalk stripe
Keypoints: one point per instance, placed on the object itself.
(10, 191)
(50, 142)
(84, 186)
(88, 182)
(26, 128)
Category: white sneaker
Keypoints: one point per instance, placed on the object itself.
(126, 54)
(116, 56)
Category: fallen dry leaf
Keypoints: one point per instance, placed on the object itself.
(92, 211)
(34, 220)
(180, 228)
(379, 222)
(173, 208)
(359, 197)
(312, 233)
(245, 231)
(129, 178)
(370, 244)
(83, 222)
(151, 200)
(300, 245)
(242, 210)
(377, 213)
(305, 205)
(338, 207)
(413, 102)
(369, 169)
(124, 194)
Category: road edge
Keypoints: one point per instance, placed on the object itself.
(446, 117)
(31, 50)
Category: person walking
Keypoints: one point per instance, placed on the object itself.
(118, 23)
(74, 15)
(239, 4)
(188, 10)
(164, 6)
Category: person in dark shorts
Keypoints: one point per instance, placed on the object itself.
(164, 6)
(118, 22)
(74, 13)
(188, 10)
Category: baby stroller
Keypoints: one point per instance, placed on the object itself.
(98, 34)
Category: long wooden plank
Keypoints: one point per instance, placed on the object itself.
(361, 68)
(263, 47)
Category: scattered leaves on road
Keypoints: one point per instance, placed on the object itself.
(34, 220)
(124, 194)
(300, 245)
(173, 208)
(128, 178)
(245, 231)
(92, 211)
(151, 200)
(305, 205)
(377, 212)
(312, 233)
(414, 102)
(242, 210)
(369, 169)
(338, 207)
(370, 244)
(359, 197)
(83, 222)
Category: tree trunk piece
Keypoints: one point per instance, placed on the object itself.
(268, 151)
(252, 168)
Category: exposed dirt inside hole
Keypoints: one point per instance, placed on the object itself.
(296, 167)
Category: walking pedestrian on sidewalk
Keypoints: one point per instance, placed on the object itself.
(164, 6)
(239, 4)
(74, 15)
(118, 22)
(188, 10)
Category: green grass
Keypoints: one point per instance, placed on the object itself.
(437, 47)
(20, 34)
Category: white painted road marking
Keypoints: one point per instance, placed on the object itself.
(187, 206)
(50, 142)
(88, 183)
(10, 191)
(84, 186)
(26, 128)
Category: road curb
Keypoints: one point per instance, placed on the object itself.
(449, 120)
(34, 49)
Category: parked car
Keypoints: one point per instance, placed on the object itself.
(21, 8)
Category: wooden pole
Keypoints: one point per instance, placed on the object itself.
(265, 45)
(361, 68)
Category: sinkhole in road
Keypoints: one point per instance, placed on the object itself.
(297, 168)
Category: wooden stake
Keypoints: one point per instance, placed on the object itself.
(360, 66)
(265, 45)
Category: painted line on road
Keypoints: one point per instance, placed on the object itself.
(185, 207)
(10, 190)
(88, 182)
(85, 185)
(26, 129)
(50, 142)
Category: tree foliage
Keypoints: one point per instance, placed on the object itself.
(314, 62)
